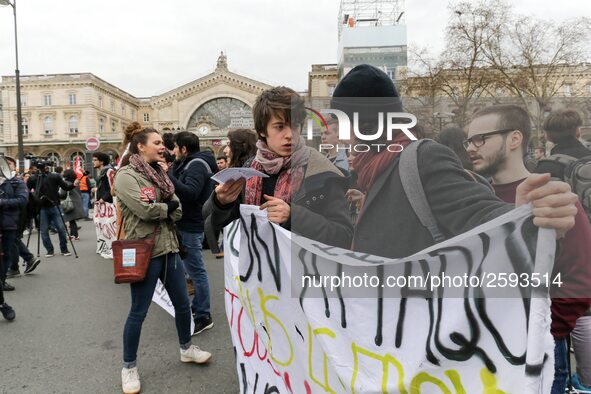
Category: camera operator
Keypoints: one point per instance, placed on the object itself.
(45, 187)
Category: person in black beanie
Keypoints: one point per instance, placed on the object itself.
(387, 224)
(458, 203)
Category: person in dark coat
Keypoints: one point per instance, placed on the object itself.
(45, 186)
(20, 249)
(13, 198)
(563, 128)
(78, 211)
(304, 192)
(101, 163)
(387, 225)
(190, 176)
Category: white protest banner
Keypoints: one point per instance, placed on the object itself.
(105, 221)
(290, 338)
(161, 298)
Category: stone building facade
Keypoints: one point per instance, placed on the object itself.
(61, 111)
(209, 106)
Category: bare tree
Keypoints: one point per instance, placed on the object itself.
(469, 26)
(488, 47)
(460, 72)
(532, 56)
(422, 86)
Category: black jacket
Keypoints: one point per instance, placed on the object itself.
(388, 225)
(319, 210)
(50, 183)
(13, 198)
(103, 186)
(570, 146)
(192, 186)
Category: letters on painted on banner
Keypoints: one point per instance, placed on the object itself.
(162, 299)
(105, 221)
(290, 338)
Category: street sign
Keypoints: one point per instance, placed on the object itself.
(92, 144)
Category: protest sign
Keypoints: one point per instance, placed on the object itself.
(162, 299)
(290, 339)
(105, 221)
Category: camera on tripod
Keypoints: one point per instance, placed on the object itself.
(40, 162)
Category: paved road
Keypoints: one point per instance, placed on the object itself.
(67, 336)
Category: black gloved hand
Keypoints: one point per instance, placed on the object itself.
(172, 205)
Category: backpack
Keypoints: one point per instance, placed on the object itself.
(67, 204)
(415, 193)
(413, 188)
(577, 173)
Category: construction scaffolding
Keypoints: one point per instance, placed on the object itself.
(370, 13)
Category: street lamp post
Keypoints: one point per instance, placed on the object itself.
(19, 113)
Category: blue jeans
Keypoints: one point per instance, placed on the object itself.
(560, 366)
(52, 216)
(195, 267)
(8, 238)
(171, 272)
(85, 202)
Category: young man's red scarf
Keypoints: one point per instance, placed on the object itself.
(290, 169)
(369, 165)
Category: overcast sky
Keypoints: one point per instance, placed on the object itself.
(147, 47)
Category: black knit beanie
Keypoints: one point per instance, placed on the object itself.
(363, 82)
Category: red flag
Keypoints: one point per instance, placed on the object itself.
(78, 168)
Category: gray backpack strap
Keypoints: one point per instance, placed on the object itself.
(413, 188)
(561, 158)
(209, 185)
(209, 171)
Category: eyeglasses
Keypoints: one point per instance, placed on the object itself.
(479, 139)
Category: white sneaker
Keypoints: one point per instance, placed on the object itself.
(195, 355)
(130, 380)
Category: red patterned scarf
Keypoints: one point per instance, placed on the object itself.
(158, 176)
(369, 165)
(290, 169)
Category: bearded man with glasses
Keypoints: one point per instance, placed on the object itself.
(487, 164)
(498, 155)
